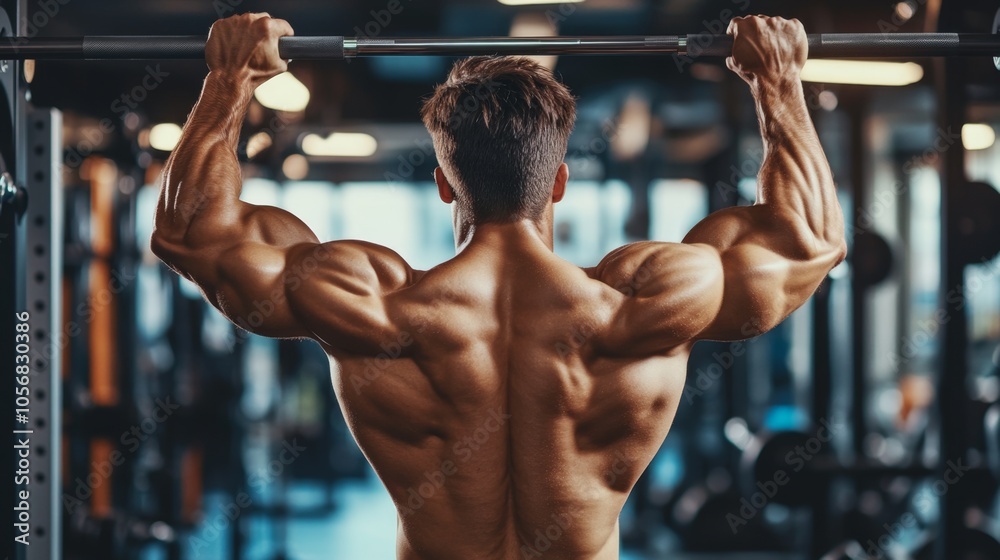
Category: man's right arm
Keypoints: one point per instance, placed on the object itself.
(743, 270)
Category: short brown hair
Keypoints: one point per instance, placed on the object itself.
(500, 127)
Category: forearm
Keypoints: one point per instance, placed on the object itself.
(796, 184)
(201, 182)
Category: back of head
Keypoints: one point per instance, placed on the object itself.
(500, 127)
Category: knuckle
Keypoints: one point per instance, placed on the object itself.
(276, 28)
(262, 27)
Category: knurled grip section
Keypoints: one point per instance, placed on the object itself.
(182, 47)
(662, 44)
(311, 48)
(883, 44)
(144, 47)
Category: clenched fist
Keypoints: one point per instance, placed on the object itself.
(246, 47)
(767, 48)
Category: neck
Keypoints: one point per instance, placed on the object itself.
(522, 233)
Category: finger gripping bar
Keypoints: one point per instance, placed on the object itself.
(850, 45)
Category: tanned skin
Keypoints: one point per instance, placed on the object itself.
(505, 394)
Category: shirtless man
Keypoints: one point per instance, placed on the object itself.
(507, 399)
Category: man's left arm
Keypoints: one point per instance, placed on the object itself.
(247, 259)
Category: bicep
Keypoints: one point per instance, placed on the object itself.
(766, 274)
(753, 291)
(687, 292)
(730, 280)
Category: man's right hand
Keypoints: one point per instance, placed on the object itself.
(768, 49)
(245, 47)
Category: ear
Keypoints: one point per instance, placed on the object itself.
(559, 188)
(444, 188)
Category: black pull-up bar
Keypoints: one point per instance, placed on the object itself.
(826, 45)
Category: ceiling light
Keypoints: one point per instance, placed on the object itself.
(283, 93)
(164, 136)
(862, 72)
(634, 125)
(295, 167)
(343, 144)
(978, 136)
(905, 11)
(535, 24)
(827, 100)
(258, 143)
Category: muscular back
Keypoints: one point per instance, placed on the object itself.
(502, 416)
(507, 399)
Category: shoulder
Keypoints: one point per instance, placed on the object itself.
(361, 263)
(631, 268)
(669, 293)
(339, 289)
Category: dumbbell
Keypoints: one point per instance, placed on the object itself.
(794, 468)
(975, 223)
(702, 515)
